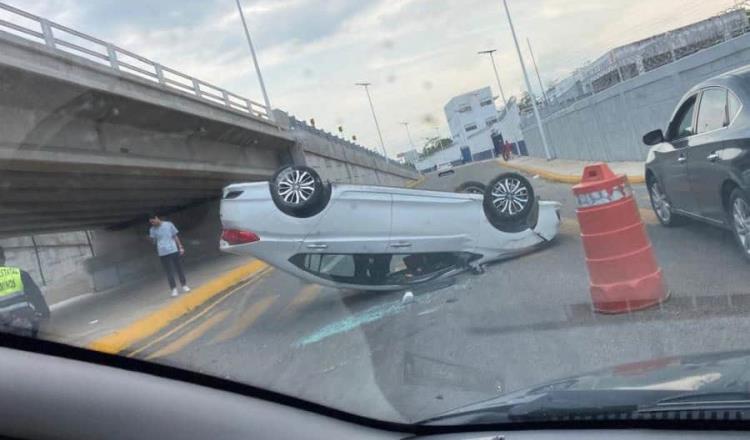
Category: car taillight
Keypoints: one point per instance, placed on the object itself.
(235, 236)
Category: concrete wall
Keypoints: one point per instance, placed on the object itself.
(450, 154)
(339, 160)
(509, 124)
(56, 262)
(609, 125)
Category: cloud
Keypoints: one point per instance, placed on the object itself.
(417, 53)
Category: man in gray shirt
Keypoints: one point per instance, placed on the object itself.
(165, 235)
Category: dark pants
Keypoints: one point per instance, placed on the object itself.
(171, 265)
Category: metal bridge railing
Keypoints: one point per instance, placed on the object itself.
(70, 41)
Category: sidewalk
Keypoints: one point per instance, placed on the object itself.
(569, 171)
(105, 317)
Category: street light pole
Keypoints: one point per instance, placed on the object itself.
(497, 76)
(366, 85)
(408, 133)
(255, 62)
(536, 69)
(528, 84)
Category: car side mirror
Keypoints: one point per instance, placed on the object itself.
(653, 137)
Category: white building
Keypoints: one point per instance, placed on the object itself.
(471, 118)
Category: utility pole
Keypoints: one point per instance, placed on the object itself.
(536, 69)
(528, 84)
(367, 85)
(497, 76)
(408, 133)
(269, 110)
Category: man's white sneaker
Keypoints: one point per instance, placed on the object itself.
(174, 292)
(185, 289)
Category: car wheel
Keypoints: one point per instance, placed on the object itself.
(471, 188)
(509, 202)
(739, 216)
(299, 191)
(662, 206)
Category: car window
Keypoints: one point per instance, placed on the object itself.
(712, 114)
(733, 106)
(682, 124)
(376, 269)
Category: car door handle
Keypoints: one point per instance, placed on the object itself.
(317, 246)
(401, 245)
(681, 159)
(712, 157)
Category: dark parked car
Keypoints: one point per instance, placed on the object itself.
(700, 168)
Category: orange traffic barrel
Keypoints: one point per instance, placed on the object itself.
(623, 270)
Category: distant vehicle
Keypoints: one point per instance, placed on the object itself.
(381, 238)
(445, 169)
(699, 168)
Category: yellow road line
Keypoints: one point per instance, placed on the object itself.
(558, 177)
(648, 216)
(305, 296)
(414, 183)
(570, 226)
(246, 319)
(182, 325)
(190, 336)
(150, 324)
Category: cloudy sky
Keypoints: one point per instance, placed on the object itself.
(417, 53)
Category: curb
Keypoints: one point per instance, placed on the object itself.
(119, 340)
(557, 177)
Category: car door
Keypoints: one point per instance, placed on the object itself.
(356, 221)
(433, 221)
(672, 158)
(706, 167)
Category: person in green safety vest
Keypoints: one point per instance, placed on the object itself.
(22, 305)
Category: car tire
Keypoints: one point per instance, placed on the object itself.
(299, 191)
(471, 188)
(509, 202)
(662, 206)
(738, 213)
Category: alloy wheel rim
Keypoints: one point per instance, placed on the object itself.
(510, 196)
(741, 217)
(296, 187)
(660, 203)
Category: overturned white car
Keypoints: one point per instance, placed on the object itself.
(382, 238)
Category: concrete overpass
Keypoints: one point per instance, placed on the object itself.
(93, 135)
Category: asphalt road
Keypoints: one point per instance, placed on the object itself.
(525, 321)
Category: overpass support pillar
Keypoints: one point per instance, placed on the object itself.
(127, 254)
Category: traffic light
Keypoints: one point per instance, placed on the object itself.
(341, 129)
(354, 138)
(312, 122)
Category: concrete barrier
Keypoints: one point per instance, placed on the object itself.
(608, 126)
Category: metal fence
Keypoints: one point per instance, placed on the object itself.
(66, 40)
(630, 61)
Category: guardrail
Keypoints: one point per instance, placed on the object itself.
(70, 41)
(296, 124)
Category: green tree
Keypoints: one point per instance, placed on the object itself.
(435, 144)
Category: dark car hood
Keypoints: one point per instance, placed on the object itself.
(724, 372)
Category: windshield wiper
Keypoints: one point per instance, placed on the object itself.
(555, 405)
(701, 401)
(596, 405)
